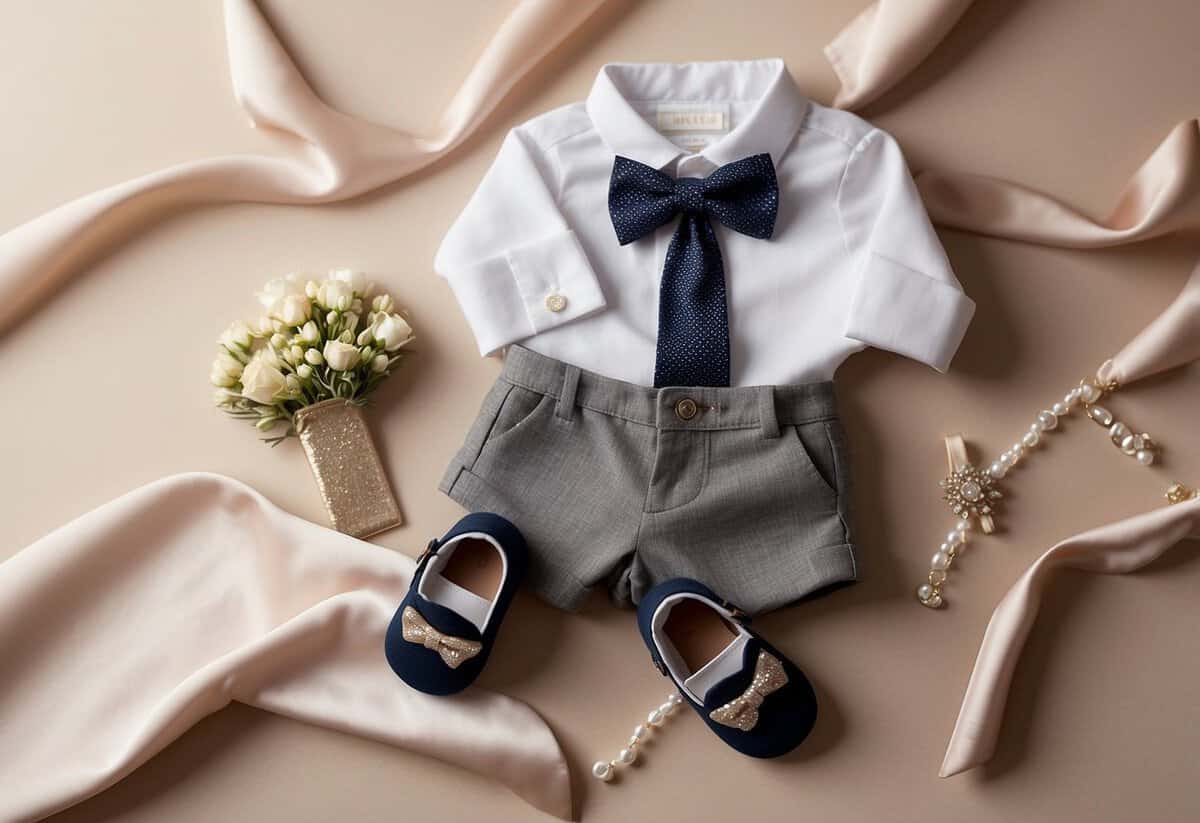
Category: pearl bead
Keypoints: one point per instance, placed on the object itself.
(945, 547)
(1030, 439)
(1007, 460)
(940, 561)
(1071, 398)
(1018, 451)
(602, 770)
(955, 537)
(1118, 432)
(1127, 445)
(998, 470)
(1089, 393)
(1048, 419)
(655, 718)
(1060, 409)
(627, 756)
(640, 732)
(1101, 415)
(963, 526)
(666, 708)
(674, 697)
(924, 592)
(1146, 458)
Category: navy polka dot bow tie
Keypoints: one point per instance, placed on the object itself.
(693, 320)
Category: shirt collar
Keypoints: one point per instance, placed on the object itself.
(621, 88)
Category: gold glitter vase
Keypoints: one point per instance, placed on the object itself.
(347, 468)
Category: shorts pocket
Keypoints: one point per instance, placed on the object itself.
(516, 410)
(503, 408)
(812, 445)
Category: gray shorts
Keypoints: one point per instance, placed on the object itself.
(744, 489)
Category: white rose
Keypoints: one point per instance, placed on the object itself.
(237, 335)
(310, 333)
(379, 364)
(261, 381)
(392, 332)
(340, 356)
(313, 357)
(263, 326)
(334, 294)
(228, 364)
(295, 309)
(352, 278)
(273, 293)
(219, 378)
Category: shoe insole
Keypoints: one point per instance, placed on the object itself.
(698, 633)
(476, 566)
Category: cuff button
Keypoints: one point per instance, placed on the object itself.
(556, 302)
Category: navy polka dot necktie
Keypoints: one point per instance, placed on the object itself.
(693, 319)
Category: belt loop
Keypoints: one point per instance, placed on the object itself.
(565, 408)
(766, 412)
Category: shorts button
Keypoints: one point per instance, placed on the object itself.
(686, 408)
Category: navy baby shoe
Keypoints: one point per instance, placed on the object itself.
(745, 689)
(443, 632)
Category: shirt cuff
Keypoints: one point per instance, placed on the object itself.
(527, 290)
(908, 312)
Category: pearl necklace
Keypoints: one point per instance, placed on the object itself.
(606, 770)
(973, 493)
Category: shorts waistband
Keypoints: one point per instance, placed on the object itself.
(700, 408)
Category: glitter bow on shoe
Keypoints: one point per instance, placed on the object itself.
(454, 651)
(742, 712)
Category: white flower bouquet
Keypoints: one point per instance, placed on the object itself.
(309, 363)
(313, 343)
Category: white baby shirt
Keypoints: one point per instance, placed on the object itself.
(854, 261)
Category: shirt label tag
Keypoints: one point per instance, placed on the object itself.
(683, 117)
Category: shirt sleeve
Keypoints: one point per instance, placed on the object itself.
(907, 299)
(514, 264)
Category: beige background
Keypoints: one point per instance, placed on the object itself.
(105, 389)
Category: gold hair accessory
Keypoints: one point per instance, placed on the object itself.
(454, 651)
(972, 493)
(742, 712)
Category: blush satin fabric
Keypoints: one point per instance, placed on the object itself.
(890, 39)
(1117, 548)
(125, 627)
(327, 156)
(1170, 341)
(885, 42)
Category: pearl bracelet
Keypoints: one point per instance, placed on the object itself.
(606, 770)
(973, 493)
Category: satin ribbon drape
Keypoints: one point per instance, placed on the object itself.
(330, 157)
(1117, 548)
(885, 42)
(195, 591)
(891, 37)
(1161, 197)
(1170, 341)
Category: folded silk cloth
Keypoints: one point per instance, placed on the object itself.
(195, 591)
(1117, 548)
